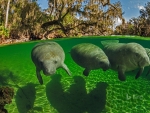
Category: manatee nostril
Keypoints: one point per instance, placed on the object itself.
(55, 62)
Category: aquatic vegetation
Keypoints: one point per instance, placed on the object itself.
(25, 97)
(6, 95)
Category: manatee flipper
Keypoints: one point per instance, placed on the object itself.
(86, 72)
(148, 72)
(64, 66)
(121, 74)
(39, 76)
(139, 72)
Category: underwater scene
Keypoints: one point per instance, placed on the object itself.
(83, 91)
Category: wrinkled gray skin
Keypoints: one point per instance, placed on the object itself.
(148, 53)
(48, 56)
(125, 57)
(90, 57)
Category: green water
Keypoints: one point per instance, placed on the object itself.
(100, 92)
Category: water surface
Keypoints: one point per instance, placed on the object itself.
(100, 92)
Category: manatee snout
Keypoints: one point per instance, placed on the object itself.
(49, 72)
(104, 64)
(144, 62)
(49, 68)
(106, 67)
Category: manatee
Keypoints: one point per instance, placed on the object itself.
(125, 57)
(47, 57)
(90, 57)
(148, 53)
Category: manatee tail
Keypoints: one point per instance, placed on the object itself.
(106, 42)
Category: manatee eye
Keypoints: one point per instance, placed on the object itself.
(101, 63)
(41, 63)
(136, 54)
(55, 62)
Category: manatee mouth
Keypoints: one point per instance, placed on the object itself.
(142, 64)
(45, 73)
(48, 73)
(104, 69)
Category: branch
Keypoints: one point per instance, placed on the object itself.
(65, 14)
(48, 32)
(54, 22)
(83, 23)
(60, 12)
(111, 5)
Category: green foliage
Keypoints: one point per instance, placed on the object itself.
(69, 19)
(65, 18)
(137, 25)
(82, 16)
(3, 31)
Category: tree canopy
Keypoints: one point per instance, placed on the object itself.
(137, 25)
(85, 16)
(62, 18)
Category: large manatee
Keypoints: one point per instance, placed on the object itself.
(90, 57)
(125, 57)
(48, 56)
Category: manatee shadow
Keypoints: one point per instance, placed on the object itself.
(76, 99)
(56, 95)
(96, 99)
(25, 97)
(5, 76)
(146, 73)
(77, 96)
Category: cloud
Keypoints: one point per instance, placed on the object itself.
(118, 21)
(140, 7)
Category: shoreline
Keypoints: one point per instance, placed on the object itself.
(13, 41)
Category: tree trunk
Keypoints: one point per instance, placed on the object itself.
(7, 12)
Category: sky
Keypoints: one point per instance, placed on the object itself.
(130, 8)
